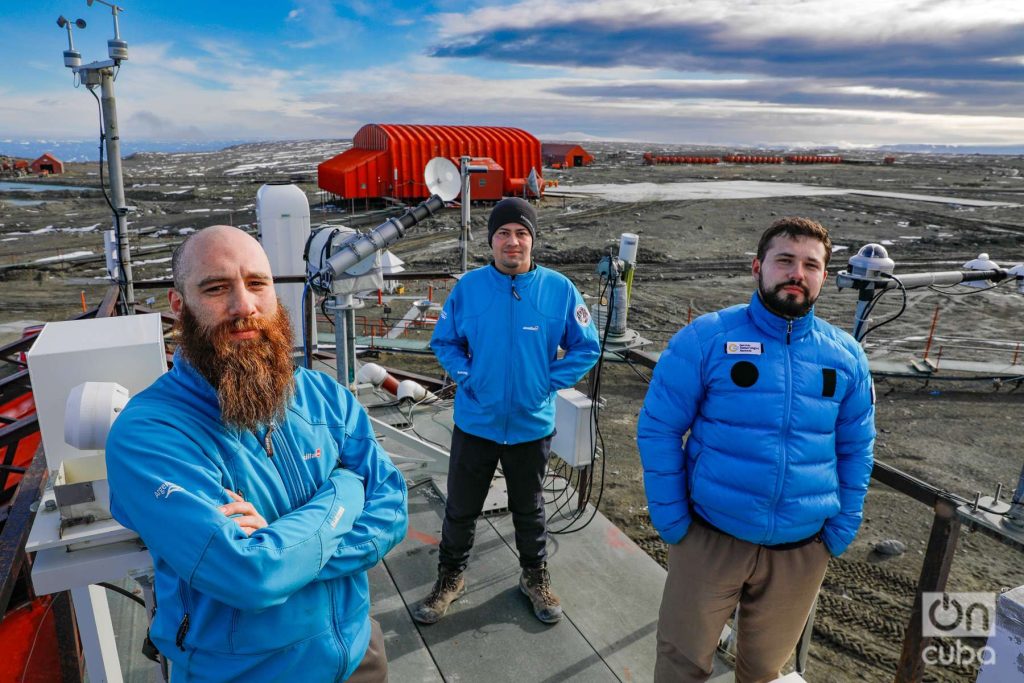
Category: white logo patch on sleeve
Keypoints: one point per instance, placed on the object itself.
(582, 315)
(166, 489)
(337, 516)
(744, 348)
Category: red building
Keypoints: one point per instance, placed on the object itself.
(388, 160)
(47, 164)
(565, 156)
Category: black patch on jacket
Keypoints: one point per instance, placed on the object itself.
(744, 374)
(828, 382)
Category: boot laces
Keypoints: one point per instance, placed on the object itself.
(449, 581)
(540, 581)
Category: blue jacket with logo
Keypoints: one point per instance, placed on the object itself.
(781, 420)
(291, 601)
(498, 338)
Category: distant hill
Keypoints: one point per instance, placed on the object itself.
(1014, 150)
(88, 150)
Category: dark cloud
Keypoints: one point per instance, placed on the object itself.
(147, 125)
(925, 96)
(713, 47)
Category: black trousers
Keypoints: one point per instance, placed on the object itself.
(470, 470)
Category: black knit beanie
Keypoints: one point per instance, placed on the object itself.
(512, 210)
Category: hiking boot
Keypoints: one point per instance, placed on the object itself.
(448, 588)
(536, 585)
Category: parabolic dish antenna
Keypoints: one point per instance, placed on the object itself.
(442, 178)
(532, 183)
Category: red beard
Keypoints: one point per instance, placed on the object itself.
(253, 377)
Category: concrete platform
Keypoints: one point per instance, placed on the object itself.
(610, 591)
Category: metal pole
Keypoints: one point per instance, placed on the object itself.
(464, 239)
(938, 560)
(344, 338)
(860, 317)
(931, 332)
(350, 348)
(113, 142)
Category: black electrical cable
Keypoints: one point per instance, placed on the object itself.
(903, 306)
(632, 366)
(946, 289)
(871, 306)
(570, 487)
(308, 328)
(603, 287)
(126, 593)
(596, 436)
(567, 491)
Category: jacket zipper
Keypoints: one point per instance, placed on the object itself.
(280, 466)
(342, 646)
(508, 366)
(288, 462)
(785, 429)
(179, 637)
(268, 445)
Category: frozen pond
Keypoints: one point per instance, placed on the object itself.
(42, 187)
(739, 189)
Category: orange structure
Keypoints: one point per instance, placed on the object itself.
(387, 160)
(47, 164)
(486, 186)
(565, 156)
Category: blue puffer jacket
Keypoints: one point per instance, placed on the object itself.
(498, 338)
(781, 421)
(291, 601)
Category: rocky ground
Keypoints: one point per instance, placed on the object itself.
(694, 257)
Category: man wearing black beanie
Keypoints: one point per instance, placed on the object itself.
(512, 210)
(498, 337)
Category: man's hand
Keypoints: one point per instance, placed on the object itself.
(243, 513)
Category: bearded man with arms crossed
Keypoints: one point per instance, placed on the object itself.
(259, 489)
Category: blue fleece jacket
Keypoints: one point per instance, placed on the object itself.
(781, 420)
(292, 599)
(498, 337)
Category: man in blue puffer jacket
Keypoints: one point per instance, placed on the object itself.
(259, 489)
(779, 407)
(498, 338)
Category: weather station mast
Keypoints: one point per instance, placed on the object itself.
(103, 74)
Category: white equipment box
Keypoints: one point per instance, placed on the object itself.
(128, 350)
(575, 431)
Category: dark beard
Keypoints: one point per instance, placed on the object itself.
(253, 377)
(785, 305)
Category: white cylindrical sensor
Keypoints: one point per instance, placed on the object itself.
(282, 211)
(627, 247)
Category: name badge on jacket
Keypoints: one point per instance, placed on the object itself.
(743, 348)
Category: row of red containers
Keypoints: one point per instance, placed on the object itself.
(748, 159)
(650, 159)
(813, 159)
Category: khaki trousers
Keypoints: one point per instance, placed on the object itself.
(708, 574)
(374, 667)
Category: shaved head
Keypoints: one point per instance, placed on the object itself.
(232, 329)
(216, 238)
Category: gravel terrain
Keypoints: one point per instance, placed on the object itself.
(694, 257)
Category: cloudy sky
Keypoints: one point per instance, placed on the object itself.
(687, 71)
